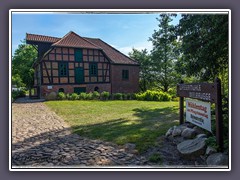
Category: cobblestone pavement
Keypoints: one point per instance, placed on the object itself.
(40, 138)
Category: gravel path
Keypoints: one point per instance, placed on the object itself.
(40, 138)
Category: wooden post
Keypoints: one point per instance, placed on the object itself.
(218, 112)
(30, 92)
(181, 107)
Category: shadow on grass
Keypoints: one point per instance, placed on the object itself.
(143, 131)
(161, 114)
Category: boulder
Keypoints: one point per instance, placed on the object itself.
(188, 133)
(169, 132)
(210, 150)
(192, 148)
(182, 127)
(175, 130)
(51, 96)
(198, 130)
(217, 159)
(201, 136)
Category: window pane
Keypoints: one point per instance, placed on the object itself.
(125, 74)
(93, 69)
(62, 69)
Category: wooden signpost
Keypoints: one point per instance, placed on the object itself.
(209, 92)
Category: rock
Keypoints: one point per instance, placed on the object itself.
(176, 132)
(182, 127)
(129, 146)
(188, 133)
(189, 125)
(51, 96)
(210, 150)
(50, 164)
(217, 159)
(201, 136)
(169, 132)
(178, 139)
(198, 130)
(192, 148)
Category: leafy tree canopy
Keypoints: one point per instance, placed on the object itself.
(22, 61)
(145, 63)
(164, 53)
(204, 45)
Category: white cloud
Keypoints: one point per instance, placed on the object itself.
(139, 46)
(125, 50)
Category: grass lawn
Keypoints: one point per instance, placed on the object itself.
(120, 122)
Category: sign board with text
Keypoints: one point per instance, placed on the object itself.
(199, 113)
(202, 91)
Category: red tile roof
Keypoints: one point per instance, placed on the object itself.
(115, 55)
(41, 38)
(74, 40)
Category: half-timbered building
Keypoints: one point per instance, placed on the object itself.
(80, 64)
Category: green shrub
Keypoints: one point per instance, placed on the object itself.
(74, 96)
(19, 93)
(22, 93)
(128, 96)
(95, 95)
(117, 96)
(61, 96)
(153, 96)
(124, 96)
(148, 95)
(155, 158)
(68, 96)
(211, 141)
(165, 97)
(176, 99)
(83, 96)
(133, 96)
(172, 91)
(139, 97)
(15, 95)
(89, 96)
(105, 95)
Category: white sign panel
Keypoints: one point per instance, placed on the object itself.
(199, 113)
(49, 87)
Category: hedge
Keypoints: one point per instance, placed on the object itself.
(145, 96)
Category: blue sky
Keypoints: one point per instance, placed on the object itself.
(122, 31)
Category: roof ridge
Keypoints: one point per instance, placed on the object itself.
(72, 32)
(86, 40)
(119, 51)
(62, 38)
(91, 38)
(42, 35)
(91, 42)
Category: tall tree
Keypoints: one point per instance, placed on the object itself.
(144, 61)
(163, 54)
(204, 45)
(22, 61)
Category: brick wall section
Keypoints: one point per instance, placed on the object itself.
(124, 86)
(70, 88)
